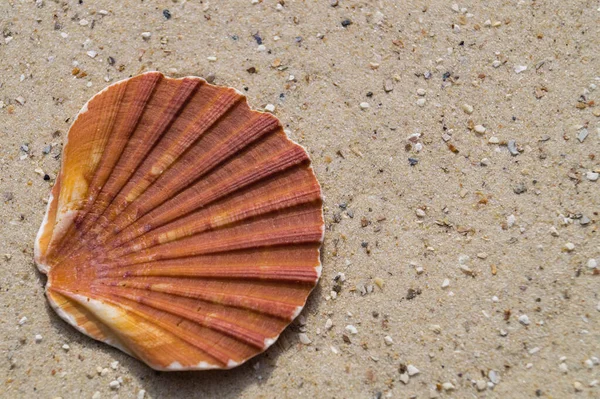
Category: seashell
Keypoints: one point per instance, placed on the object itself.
(184, 228)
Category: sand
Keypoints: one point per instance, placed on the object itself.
(495, 225)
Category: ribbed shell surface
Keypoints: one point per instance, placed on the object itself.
(184, 228)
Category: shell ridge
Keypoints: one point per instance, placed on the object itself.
(237, 300)
(69, 209)
(196, 222)
(240, 237)
(220, 155)
(140, 99)
(196, 196)
(195, 192)
(218, 324)
(184, 335)
(167, 155)
(132, 159)
(106, 319)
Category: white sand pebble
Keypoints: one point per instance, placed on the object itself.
(569, 246)
(447, 386)
(328, 324)
(212, 58)
(592, 176)
(496, 63)
(446, 283)
(494, 376)
(388, 340)
(563, 368)
(270, 108)
(114, 365)
(66, 347)
(510, 220)
(96, 395)
(421, 92)
(481, 385)
(578, 386)
(421, 102)
(524, 319)
(404, 378)
(589, 363)
(494, 140)
(92, 54)
(592, 263)
(261, 48)
(83, 22)
(64, 35)
(23, 320)
(38, 338)
(467, 108)
(480, 129)
(141, 394)
(364, 105)
(146, 35)
(114, 385)
(304, 338)
(420, 212)
(412, 370)
(351, 329)
(520, 68)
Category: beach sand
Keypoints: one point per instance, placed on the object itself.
(460, 198)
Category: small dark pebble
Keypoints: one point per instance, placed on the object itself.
(8, 196)
(364, 244)
(47, 149)
(402, 368)
(369, 94)
(520, 188)
(346, 23)
(375, 314)
(343, 205)
(25, 148)
(413, 161)
(337, 288)
(298, 39)
(167, 14)
(257, 38)
(445, 76)
(412, 294)
(46, 177)
(235, 37)
(350, 213)
(251, 70)
(346, 339)
(111, 61)
(378, 395)
(210, 78)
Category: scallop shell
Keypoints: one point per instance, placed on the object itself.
(184, 228)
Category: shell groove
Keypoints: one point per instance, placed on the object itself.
(184, 228)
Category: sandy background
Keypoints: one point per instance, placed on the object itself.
(512, 215)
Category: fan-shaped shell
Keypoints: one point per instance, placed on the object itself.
(184, 228)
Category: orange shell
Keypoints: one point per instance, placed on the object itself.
(184, 228)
